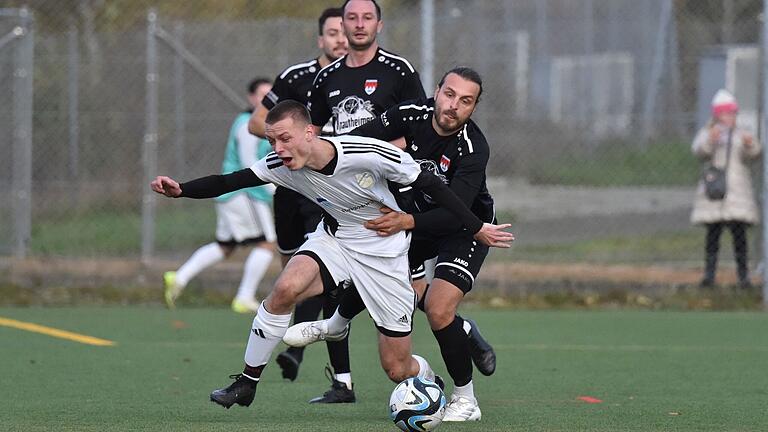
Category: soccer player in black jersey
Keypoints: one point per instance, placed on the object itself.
(442, 138)
(358, 87)
(348, 92)
(296, 216)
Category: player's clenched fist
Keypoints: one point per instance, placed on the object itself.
(166, 186)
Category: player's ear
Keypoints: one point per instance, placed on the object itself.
(379, 26)
(437, 89)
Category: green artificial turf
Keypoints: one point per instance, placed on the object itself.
(653, 371)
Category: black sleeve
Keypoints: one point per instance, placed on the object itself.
(280, 91)
(443, 196)
(466, 184)
(215, 185)
(386, 127)
(412, 88)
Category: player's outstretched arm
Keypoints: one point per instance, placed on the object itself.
(392, 222)
(207, 187)
(488, 234)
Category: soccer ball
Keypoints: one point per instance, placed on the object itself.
(417, 404)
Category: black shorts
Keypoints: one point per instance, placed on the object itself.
(459, 258)
(295, 217)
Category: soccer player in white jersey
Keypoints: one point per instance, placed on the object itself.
(296, 216)
(349, 177)
(243, 219)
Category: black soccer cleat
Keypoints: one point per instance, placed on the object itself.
(439, 381)
(481, 351)
(339, 393)
(240, 392)
(289, 364)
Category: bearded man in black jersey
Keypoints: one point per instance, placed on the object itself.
(440, 135)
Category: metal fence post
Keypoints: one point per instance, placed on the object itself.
(179, 108)
(657, 68)
(428, 45)
(22, 134)
(522, 47)
(763, 135)
(149, 149)
(589, 31)
(73, 94)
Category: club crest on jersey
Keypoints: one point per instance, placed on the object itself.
(365, 180)
(445, 163)
(370, 86)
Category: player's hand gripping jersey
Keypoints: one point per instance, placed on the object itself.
(351, 97)
(459, 160)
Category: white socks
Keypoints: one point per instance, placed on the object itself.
(255, 266)
(346, 378)
(204, 257)
(425, 371)
(267, 331)
(466, 391)
(337, 323)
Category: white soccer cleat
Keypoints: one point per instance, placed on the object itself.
(461, 409)
(303, 334)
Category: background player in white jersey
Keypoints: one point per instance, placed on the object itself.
(349, 176)
(243, 218)
(296, 216)
(443, 139)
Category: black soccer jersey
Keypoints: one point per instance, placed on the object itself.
(459, 160)
(354, 96)
(294, 83)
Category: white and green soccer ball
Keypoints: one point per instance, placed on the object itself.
(417, 405)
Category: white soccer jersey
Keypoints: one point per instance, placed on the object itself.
(354, 193)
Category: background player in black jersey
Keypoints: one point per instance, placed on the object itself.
(296, 216)
(444, 140)
(358, 87)
(348, 92)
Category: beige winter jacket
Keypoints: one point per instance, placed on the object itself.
(739, 203)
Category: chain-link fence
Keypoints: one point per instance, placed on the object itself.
(590, 107)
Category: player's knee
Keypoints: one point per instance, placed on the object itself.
(439, 317)
(284, 294)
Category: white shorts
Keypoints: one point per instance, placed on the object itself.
(384, 283)
(241, 218)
